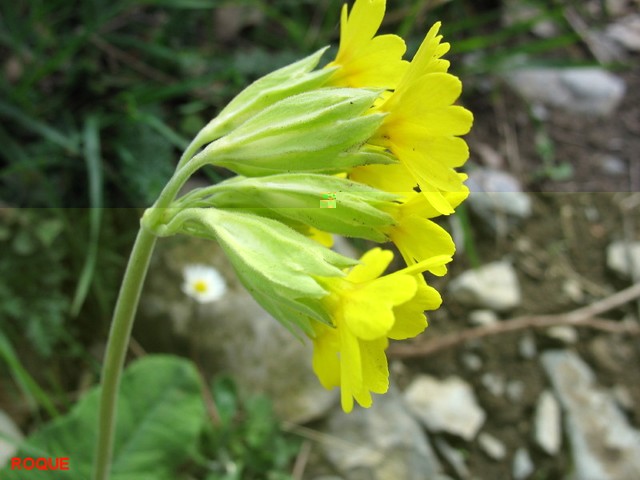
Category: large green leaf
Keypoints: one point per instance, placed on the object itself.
(160, 416)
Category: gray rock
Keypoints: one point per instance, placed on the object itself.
(624, 258)
(445, 405)
(493, 447)
(10, 438)
(515, 390)
(454, 457)
(483, 318)
(380, 443)
(612, 165)
(233, 335)
(547, 423)
(603, 444)
(472, 361)
(494, 285)
(626, 32)
(564, 333)
(497, 197)
(494, 383)
(522, 464)
(623, 397)
(580, 90)
(527, 346)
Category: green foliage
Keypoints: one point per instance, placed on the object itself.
(163, 432)
(160, 417)
(32, 299)
(248, 444)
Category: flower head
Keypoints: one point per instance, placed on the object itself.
(203, 283)
(367, 309)
(364, 59)
(422, 125)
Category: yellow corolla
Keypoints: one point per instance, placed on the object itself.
(423, 125)
(364, 59)
(417, 237)
(367, 309)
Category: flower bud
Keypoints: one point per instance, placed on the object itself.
(324, 202)
(284, 82)
(311, 132)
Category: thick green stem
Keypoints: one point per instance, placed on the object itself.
(121, 325)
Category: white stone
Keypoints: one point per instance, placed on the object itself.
(564, 333)
(626, 31)
(624, 258)
(547, 423)
(445, 405)
(515, 390)
(494, 285)
(623, 396)
(379, 443)
(582, 90)
(472, 361)
(522, 464)
(493, 447)
(497, 197)
(604, 446)
(494, 383)
(482, 318)
(527, 347)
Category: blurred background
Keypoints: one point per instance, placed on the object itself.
(98, 98)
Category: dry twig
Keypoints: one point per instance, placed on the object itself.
(581, 317)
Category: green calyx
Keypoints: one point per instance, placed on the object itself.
(319, 131)
(324, 202)
(285, 82)
(275, 263)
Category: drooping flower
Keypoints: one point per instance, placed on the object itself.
(203, 283)
(364, 59)
(367, 309)
(422, 125)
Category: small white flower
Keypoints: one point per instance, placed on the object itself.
(203, 283)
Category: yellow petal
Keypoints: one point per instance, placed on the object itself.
(375, 371)
(350, 368)
(429, 173)
(377, 64)
(326, 363)
(393, 178)
(419, 239)
(323, 238)
(361, 25)
(368, 310)
(372, 265)
(410, 318)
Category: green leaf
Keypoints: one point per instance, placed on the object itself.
(94, 171)
(160, 416)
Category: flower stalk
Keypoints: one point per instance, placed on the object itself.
(119, 336)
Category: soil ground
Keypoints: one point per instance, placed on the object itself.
(563, 242)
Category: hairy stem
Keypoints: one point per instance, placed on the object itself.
(117, 344)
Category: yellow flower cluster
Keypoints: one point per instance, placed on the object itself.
(421, 128)
(380, 137)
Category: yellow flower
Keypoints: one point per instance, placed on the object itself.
(417, 237)
(366, 60)
(366, 310)
(422, 124)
